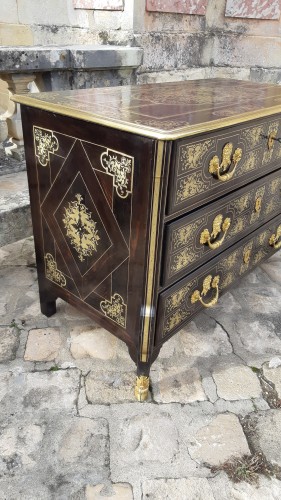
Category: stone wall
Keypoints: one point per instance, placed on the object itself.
(194, 39)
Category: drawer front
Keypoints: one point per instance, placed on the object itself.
(198, 237)
(202, 288)
(217, 163)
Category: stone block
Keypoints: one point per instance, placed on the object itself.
(43, 344)
(110, 387)
(99, 4)
(177, 385)
(223, 488)
(84, 439)
(246, 51)
(53, 12)
(267, 435)
(9, 342)
(15, 217)
(269, 9)
(159, 51)
(197, 7)
(220, 440)
(102, 57)
(33, 393)
(274, 375)
(21, 443)
(8, 11)
(15, 34)
(193, 488)
(236, 382)
(117, 491)
(94, 343)
(139, 439)
(204, 339)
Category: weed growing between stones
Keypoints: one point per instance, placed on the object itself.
(246, 468)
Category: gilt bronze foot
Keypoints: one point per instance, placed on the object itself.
(141, 388)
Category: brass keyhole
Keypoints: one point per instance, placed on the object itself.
(258, 204)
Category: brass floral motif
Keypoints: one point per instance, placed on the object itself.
(176, 299)
(189, 186)
(259, 256)
(251, 160)
(247, 256)
(182, 235)
(253, 136)
(80, 228)
(228, 280)
(191, 155)
(275, 185)
(174, 320)
(45, 143)
(115, 309)
(242, 203)
(52, 272)
(120, 167)
(181, 260)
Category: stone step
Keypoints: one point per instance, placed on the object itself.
(9, 164)
(15, 217)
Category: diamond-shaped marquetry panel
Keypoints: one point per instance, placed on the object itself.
(86, 239)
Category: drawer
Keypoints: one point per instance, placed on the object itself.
(201, 235)
(202, 288)
(208, 167)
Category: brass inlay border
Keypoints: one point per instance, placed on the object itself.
(115, 309)
(146, 131)
(45, 142)
(152, 249)
(52, 272)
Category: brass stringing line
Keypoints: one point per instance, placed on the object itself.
(61, 254)
(179, 133)
(103, 147)
(57, 174)
(110, 208)
(152, 247)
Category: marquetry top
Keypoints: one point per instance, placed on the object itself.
(165, 110)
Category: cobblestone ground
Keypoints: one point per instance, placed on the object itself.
(71, 429)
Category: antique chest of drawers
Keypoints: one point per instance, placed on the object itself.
(149, 201)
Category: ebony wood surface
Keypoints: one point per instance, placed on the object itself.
(191, 183)
(175, 308)
(105, 201)
(164, 107)
(122, 223)
(245, 209)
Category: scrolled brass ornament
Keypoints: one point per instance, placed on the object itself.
(80, 228)
(219, 225)
(220, 168)
(274, 239)
(208, 283)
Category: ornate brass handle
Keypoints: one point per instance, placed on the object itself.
(219, 169)
(208, 283)
(273, 240)
(218, 226)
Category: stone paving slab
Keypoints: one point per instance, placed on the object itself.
(70, 428)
